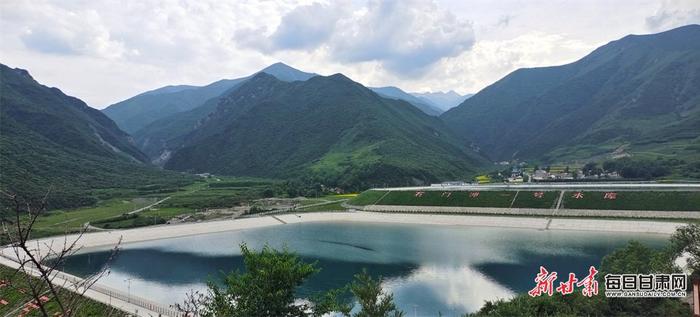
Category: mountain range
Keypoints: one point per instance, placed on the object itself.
(639, 95)
(396, 93)
(443, 100)
(51, 141)
(330, 127)
(141, 110)
(159, 137)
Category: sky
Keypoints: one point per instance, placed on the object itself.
(106, 51)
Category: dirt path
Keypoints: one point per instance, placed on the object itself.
(148, 207)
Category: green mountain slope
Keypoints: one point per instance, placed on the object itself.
(396, 93)
(50, 140)
(137, 112)
(330, 128)
(158, 138)
(639, 94)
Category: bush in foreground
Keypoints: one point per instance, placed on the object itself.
(268, 289)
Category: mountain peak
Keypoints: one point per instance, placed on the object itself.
(286, 73)
(278, 66)
(23, 73)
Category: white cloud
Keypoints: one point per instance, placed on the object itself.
(405, 36)
(493, 59)
(674, 13)
(107, 51)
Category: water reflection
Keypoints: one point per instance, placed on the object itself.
(428, 268)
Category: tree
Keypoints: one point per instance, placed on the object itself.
(372, 299)
(39, 263)
(266, 289)
(589, 168)
(634, 258)
(686, 241)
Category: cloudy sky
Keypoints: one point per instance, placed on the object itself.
(107, 51)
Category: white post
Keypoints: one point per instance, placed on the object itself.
(128, 290)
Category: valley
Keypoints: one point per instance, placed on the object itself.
(434, 190)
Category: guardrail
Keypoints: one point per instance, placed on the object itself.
(120, 295)
(75, 281)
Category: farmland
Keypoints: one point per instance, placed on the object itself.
(664, 201)
(449, 198)
(112, 213)
(615, 200)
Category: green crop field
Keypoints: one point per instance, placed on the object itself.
(625, 200)
(531, 199)
(449, 198)
(666, 201)
(129, 221)
(110, 213)
(63, 221)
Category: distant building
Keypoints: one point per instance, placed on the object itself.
(564, 176)
(540, 175)
(515, 172)
(516, 179)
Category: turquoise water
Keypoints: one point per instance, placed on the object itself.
(430, 269)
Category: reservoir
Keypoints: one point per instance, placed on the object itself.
(428, 268)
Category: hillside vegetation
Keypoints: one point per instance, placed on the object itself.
(639, 95)
(330, 129)
(50, 141)
(144, 110)
(166, 128)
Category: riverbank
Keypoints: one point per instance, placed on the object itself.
(144, 307)
(110, 238)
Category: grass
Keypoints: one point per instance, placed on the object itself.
(129, 221)
(166, 213)
(63, 221)
(16, 298)
(528, 199)
(625, 200)
(368, 197)
(110, 213)
(220, 192)
(664, 201)
(451, 199)
(57, 222)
